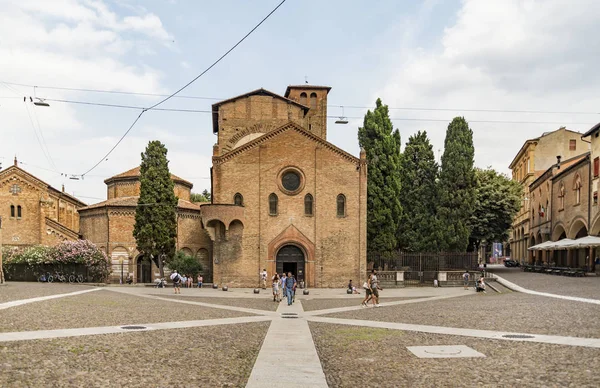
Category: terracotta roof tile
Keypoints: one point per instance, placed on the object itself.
(132, 202)
(135, 172)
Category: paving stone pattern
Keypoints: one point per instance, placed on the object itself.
(322, 304)
(584, 287)
(102, 308)
(21, 290)
(514, 312)
(192, 357)
(259, 304)
(368, 357)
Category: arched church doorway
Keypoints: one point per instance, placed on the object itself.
(290, 258)
(144, 270)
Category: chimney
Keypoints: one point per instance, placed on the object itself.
(15, 160)
(558, 157)
(63, 188)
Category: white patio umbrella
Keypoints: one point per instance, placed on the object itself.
(565, 243)
(543, 246)
(586, 242)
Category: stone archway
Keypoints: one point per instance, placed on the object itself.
(144, 269)
(291, 258)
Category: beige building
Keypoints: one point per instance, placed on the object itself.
(533, 159)
(33, 212)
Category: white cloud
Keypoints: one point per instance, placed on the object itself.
(82, 44)
(514, 55)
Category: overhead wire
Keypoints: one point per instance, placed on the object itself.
(185, 86)
(328, 116)
(532, 111)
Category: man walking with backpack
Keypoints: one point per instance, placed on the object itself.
(176, 281)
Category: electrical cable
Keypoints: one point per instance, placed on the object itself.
(185, 86)
(328, 105)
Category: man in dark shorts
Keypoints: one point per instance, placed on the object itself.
(374, 283)
(176, 282)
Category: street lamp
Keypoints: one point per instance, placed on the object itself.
(121, 263)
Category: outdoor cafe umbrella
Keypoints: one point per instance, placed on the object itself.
(543, 246)
(585, 242)
(565, 243)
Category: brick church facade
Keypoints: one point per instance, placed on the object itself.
(283, 199)
(33, 212)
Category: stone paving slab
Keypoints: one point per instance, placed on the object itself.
(193, 357)
(288, 353)
(323, 304)
(25, 290)
(367, 357)
(507, 312)
(257, 304)
(102, 308)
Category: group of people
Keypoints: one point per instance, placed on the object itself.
(284, 286)
(372, 289)
(185, 280)
(479, 283)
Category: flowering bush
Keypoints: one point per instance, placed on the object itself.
(67, 252)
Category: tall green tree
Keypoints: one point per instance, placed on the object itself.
(418, 229)
(382, 145)
(457, 187)
(497, 200)
(155, 226)
(204, 197)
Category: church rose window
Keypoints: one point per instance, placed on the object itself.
(290, 180)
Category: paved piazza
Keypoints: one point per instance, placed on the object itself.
(73, 335)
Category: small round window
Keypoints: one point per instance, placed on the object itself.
(290, 180)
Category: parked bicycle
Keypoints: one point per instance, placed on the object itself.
(60, 277)
(45, 277)
(75, 278)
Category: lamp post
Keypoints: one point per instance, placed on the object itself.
(121, 262)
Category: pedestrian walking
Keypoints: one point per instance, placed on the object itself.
(263, 277)
(368, 294)
(290, 284)
(275, 285)
(176, 282)
(466, 277)
(283, 288)
(374, 284)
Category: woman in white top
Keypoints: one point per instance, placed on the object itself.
(275, 288)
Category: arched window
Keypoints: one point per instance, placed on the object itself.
(238, 200)
(313, 101)
(308, 205)
(12, 210)
(19, 211)
(303, 98)
(341, 205)
(273, 204)
(561, 195)
(577, 188)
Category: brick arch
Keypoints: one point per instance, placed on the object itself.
(595, 230)
(292, 236)
(576, 226)
(558, 231)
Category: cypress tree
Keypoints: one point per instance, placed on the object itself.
(155, 226)
(457, 186)
(382, 145)
(418, 229)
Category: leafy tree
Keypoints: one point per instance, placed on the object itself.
(185, 264)
(457, 187)
(497, 200)
(155, 226)
(382, 145)
(204, 197)
(418, 228)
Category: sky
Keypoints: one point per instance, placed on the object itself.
(429, 61)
